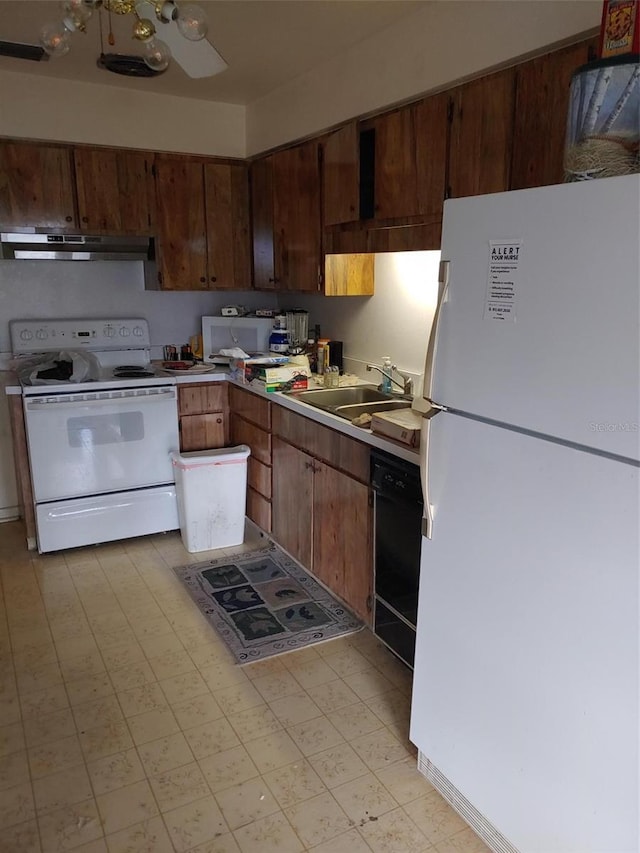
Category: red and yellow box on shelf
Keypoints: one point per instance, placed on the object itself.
(620, 28)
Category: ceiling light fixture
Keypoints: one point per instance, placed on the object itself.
(190, 19)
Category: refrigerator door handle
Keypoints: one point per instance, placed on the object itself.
(427, 516)
(443, 287)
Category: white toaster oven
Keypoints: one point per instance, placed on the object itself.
(250, 334)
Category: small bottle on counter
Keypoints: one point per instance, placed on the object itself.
(322, 350)
(387, 370)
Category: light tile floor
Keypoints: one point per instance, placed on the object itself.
(126, 727)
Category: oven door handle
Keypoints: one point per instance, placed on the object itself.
(39, 405)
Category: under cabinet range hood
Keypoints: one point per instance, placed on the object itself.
(42, 245)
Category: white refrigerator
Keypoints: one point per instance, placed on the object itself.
(526, 682)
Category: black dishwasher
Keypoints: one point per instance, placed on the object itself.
(398, 520)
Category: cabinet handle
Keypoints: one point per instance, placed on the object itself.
(218, 420)
(202, 279)
(274, 280)
(85, 218)
(213, 278)
(69, 218)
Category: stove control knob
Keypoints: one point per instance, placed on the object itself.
(26, 335)
(138, 331)
(108, 331)
(42, 334)
(124, 331)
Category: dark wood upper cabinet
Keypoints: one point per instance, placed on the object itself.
(396, 191)
(481, 135)
(115, 190)
(296, 216)
(287, 240)
(181, 244)
(341, 175)
(264, 262)
(431, 124)
(542, 101)
(202, 224)
(228, 227)
(36, 186)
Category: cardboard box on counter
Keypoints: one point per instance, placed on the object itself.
(403, 425)
(272, 377)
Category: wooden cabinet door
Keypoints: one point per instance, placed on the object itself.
(205, 398)
(342, 524)
(115, 190)
(292, 501)
(542, 102)
(202, 432)
(242, 432)
(250, 406)
(228, 237)
(181, 224)
(296, 217)
(264, 262)
(481, 135)
(431, 123)
(396, 192)
(341, 176)
(36, 186)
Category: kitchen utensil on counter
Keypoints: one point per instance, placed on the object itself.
(298, 325)
(331, 377)
(170, 352)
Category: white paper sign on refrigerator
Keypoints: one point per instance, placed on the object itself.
(502, 284)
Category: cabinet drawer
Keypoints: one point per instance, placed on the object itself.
(259, 477)
(249, 406)
(259, 510)
(202, 432)
(333, 447)
(200, 399)
(242, 432)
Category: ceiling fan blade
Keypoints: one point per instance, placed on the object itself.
(197, 58)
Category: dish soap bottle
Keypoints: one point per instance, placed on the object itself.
(387, 370)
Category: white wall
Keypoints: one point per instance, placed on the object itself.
(52, 289)
(395, 321)
(441, 43)
(35, 107)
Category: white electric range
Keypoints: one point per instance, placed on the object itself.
(101, 424)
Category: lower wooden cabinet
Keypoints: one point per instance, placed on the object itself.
(203, 413)
(323, 517)
(250, 424)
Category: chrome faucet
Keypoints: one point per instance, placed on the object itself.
(406, 384)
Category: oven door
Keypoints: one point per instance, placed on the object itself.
(107, 441)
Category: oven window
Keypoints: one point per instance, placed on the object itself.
(114, 428)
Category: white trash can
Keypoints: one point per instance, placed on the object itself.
(211, 487)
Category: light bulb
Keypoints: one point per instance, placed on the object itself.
(75, 15)
(192, 21)
(156, 54)
(54, 38)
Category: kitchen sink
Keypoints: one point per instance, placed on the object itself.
(330, 398)
(355, 410)
(352, 401)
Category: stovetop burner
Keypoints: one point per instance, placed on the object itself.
(132, 371)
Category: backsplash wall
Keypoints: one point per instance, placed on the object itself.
(54, 289)
(395, 321)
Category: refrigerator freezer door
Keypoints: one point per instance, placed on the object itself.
(525, 692)
(564, 360)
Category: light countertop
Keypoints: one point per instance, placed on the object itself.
(221, 374)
